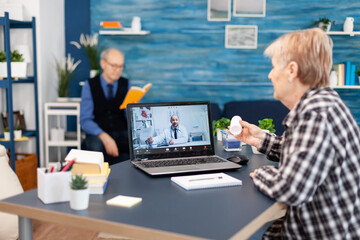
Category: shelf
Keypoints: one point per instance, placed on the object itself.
(16, 139)
(342, 33)
(123, 32)
(347, 87)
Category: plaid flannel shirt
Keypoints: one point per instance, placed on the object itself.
(319, 170)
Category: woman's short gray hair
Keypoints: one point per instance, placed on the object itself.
(311, 49)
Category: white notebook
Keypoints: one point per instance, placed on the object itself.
(201, 181)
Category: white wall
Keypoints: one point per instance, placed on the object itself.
(50, 36)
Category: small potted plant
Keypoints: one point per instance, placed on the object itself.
(64, 70)
(90, 46)
(218, 125)
(17, 132)
(324, 23)
(7, 133)
(79, 192)
(266, 125)
(18, 66)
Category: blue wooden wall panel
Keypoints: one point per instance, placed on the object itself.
(185, 58)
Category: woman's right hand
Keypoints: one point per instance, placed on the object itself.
(250, 134)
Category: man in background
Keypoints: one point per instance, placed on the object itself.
(175, 134)
(104, 123)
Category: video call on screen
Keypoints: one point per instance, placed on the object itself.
(155, 122)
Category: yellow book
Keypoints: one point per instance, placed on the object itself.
(96, 179)
(134, 95)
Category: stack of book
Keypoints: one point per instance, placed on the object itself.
(346, 74)
(91, 165)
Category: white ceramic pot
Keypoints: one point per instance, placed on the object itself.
(18, 69)
(93, 73)
(79, 199)
(324, 26)
(17, 134)
(7, 135)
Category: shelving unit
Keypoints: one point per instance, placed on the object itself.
(61, 109)
(7, 83)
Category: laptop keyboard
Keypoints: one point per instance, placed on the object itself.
(182, 161)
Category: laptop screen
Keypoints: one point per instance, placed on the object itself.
(169, 130)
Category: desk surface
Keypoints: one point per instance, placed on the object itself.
(209, 213)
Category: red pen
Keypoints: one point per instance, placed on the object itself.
(67, 166)
(52, 169)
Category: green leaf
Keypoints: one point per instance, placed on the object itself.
(267, 124)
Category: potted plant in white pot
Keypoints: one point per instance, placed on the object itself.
(18, 66)
(17, 132)
(219, 125)
(90, 45)
(324, 23)
(64, 70)
(79, 193)
(266, 125)
(7, 133)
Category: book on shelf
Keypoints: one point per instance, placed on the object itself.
(134, 95)
(340, 73)
(100, 177)
(347, 72)
(110, 24)
(96, 187)
(352, 74)
(201, 181)
(86, 162)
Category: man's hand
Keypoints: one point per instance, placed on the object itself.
(150, 139)
(171, 142)
(109, 144)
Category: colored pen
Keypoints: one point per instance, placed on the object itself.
(52, 169)
(67, 166)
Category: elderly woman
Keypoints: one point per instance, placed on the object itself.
(318, 176)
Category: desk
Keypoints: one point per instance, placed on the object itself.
(166, 211)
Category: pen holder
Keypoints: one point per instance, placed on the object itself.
(53, 187)
(230, 143)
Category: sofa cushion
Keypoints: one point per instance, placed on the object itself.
(10, 186)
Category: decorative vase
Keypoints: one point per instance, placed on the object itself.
(349, 25)
(136, 24)
(79, 199)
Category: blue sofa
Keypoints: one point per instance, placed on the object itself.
(252, 111)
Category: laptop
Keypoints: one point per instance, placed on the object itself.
(156, 149)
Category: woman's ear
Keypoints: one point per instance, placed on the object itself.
(293, 69)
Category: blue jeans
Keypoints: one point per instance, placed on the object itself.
(93, 143)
